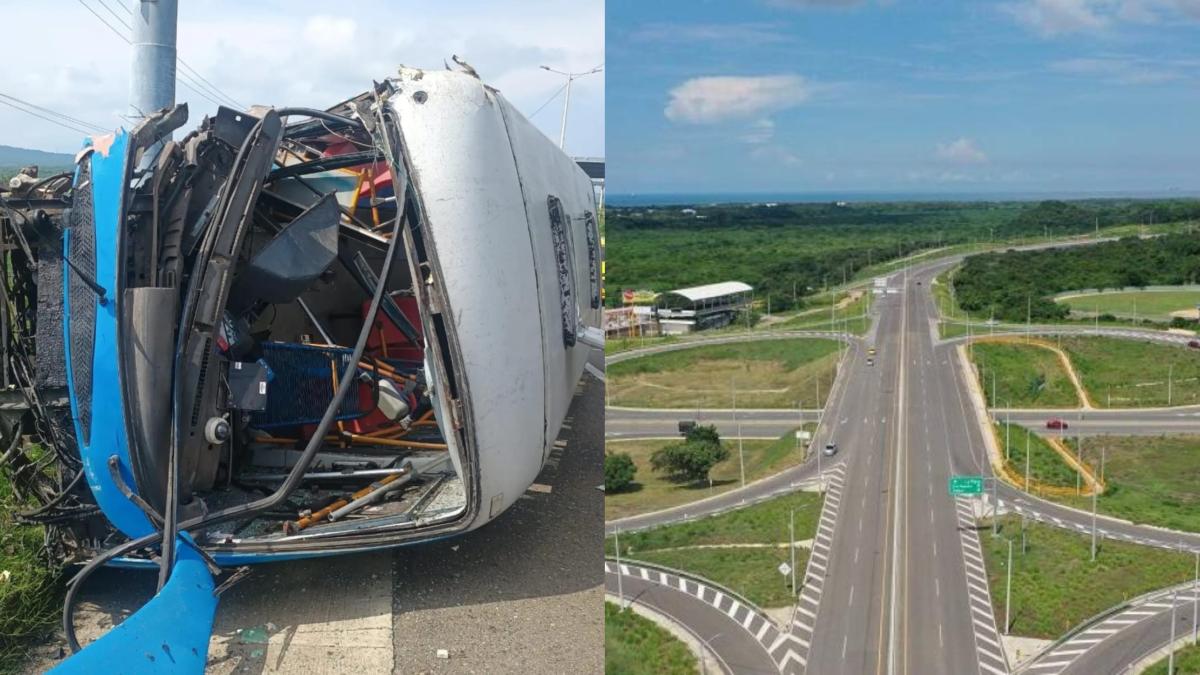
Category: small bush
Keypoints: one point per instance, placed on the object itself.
(619, 471)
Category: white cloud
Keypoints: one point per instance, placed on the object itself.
(1055, 17)
(716, 33)
(1059, 17)
(713, 99)
(961, 151)
(759, 132)
(1117, 70)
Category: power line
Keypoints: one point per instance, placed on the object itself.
(552, 97)
(190, 79)
(67, 118)
(51, 120)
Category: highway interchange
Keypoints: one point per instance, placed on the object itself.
(903, 588)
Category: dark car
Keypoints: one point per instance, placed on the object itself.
(1056, 423)
(1194, 344)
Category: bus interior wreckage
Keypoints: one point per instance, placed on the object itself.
(293, 331)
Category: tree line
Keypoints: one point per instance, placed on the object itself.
(1016, 285)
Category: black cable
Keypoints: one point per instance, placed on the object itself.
(297, 473)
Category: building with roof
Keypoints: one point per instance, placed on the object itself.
(700, 307)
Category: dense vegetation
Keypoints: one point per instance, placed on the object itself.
(1011, 283)
(799, 248)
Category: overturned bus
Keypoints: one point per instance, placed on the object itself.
(290, 332)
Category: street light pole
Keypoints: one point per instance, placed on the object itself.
(1095, 493)
(738, 422)
(1171, 644)
(792, 546)
(620, 587)
(1008, 590)
(1027, 433)
(1196, 600)
(571, 77)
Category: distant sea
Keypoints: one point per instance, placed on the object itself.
(692, 199)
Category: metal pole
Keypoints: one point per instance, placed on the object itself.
(1196, 599)
(1007, 430)
(152, 72)
(1095, 493)
(1171, 644)
(792, 537)
(736, 421)
(620, 587)
(1027, 434)
(562, 131)
(1170, 377)
(1008, 590)
(995, 505)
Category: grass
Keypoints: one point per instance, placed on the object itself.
(1187, 662)
(851, 317)
(750, 571)
(1156, 305)
(634, 645)
(29, 588)
(1026, 376)
(651, 492)
(767, 374)
(1055, 585)
(1150, 479)
(1046, 466)
(1121, 373)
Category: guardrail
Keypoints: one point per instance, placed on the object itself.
(694, 577)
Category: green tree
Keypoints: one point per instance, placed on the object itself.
(691, 460)
(619, 471)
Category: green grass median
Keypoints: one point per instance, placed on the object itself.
(1187, 662)
(1046, 466)
(1123, 373)
(634, 645)
(1026, 376)
(1055, 584)
(651, 491)
(765, 373)
(1150, 479)
(740, 549)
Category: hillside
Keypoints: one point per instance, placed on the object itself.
(18, 157)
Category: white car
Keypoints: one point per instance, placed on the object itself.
(830, 449)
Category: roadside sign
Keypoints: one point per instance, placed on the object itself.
(784, 569)
(804, 435)
(966, 485)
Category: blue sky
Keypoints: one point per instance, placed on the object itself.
(301, 53)
(928, 96)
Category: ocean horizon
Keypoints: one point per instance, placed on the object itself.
(711, 198)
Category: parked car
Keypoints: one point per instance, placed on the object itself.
(1194, 344)
(1056, 423)
(830, 449)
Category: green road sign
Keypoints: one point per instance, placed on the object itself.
(966, 485)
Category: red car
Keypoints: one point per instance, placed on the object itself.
(1194, 344)
(1056, 423)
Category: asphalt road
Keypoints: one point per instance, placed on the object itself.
(705, 616)
(521, 594)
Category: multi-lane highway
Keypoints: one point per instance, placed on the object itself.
(903, 588)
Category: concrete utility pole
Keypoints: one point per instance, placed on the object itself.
(152, 72)
(1027, 434)
(1170, 379)
(571, 77)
